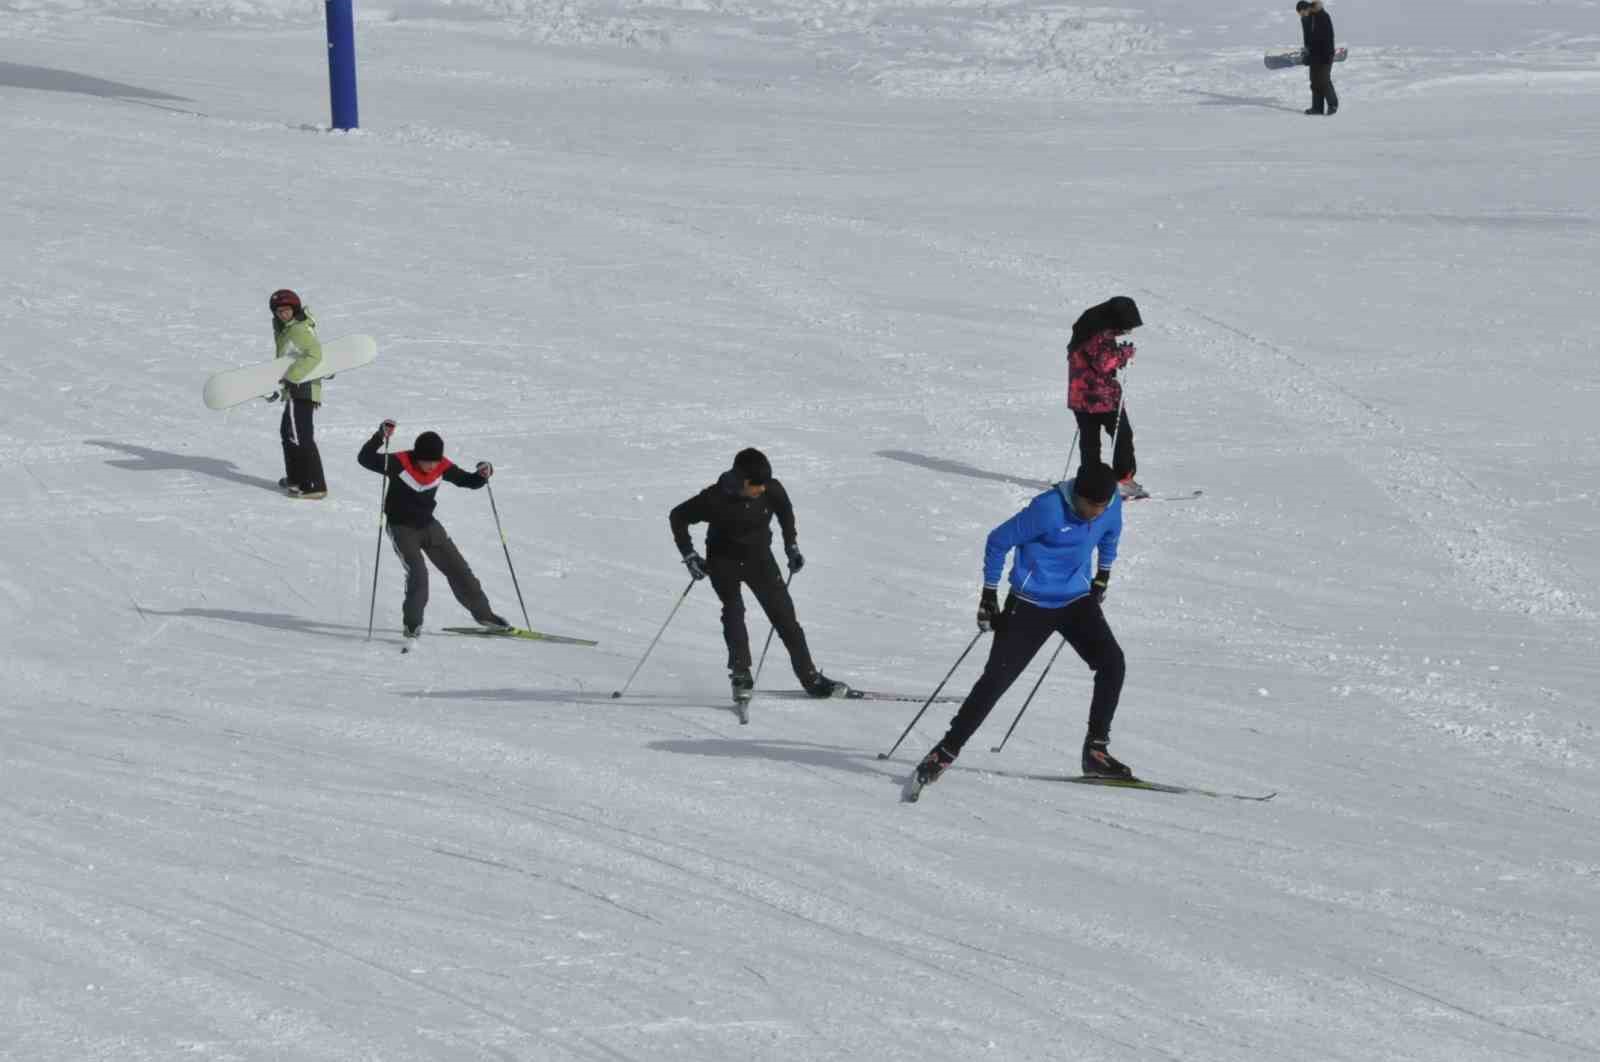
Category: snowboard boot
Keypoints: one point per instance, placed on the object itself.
(821, 686)
(1099, 763)
(744, 687)
(308, 495)
(1313, 110)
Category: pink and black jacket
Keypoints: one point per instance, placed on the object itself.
(1094, 355)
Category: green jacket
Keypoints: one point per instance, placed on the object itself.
(298, 340)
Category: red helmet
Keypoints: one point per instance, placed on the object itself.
(283, 297)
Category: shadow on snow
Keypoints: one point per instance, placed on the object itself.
(47, 79)
(148, 460)
(961, 468)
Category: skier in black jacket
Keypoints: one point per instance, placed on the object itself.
(740, 506)
(414, 478)
(1317, 26)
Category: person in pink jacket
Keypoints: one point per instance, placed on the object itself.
(1094, 354)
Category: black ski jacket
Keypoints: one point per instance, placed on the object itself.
(409, 501)
(1318, 29)
(741, 528)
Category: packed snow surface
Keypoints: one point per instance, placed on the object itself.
(605, 245)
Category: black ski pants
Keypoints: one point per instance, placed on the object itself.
(415, 546)
(1022, 630)
(760, 573)
(302, 463)
(1323, 97)
(1089, 428)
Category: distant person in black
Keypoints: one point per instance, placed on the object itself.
(1317, 27)
(740, 506)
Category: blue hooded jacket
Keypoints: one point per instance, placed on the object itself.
(1055, 548)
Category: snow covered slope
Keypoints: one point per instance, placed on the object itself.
(606, 246)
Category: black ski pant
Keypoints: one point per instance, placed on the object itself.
(415, 546)
(1089, 428)
(1022, 630)
(302, 463)
(760, 573)
(1323, 97)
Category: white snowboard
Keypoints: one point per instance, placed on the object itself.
(232, 386)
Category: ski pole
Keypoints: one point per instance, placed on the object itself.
(762, 662)
(931, 696)
(1066, 473)
(507, 547)
(681, 599)
(1029, 701)
(1117, 428)
(377, 557)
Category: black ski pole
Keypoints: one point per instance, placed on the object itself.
(931, 696)
(681, 599)
(377, 557)
(1029, 701)
(1066, 473)
(528, 623)
(762, 662)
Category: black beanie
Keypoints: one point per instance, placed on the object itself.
(753, 465)
(428, 447)
(1095, 483)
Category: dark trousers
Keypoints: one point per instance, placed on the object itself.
(1023, 629)
(761, 575)
(302, 463)
(1323, 96)
(1089, 428)
(417, 545)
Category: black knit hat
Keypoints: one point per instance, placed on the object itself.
(428, 447)
(753, 465)
(1095, 483)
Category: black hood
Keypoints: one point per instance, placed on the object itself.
(731, 482)
(1115, 315)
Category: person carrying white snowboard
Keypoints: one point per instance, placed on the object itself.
(295, 331)
(414, 477)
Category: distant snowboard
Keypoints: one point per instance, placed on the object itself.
(232, 386)
(1279, 60)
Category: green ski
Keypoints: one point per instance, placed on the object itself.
(518, 632)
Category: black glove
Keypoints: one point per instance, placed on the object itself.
(696, 565)
(1102, 579)
(988, 609)
(484, 469)
(273, 397)
(796, 561)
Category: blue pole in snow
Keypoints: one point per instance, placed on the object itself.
(342, 63)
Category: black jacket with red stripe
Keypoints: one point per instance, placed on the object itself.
(409, 500)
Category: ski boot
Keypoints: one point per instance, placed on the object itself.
(413, 638)
(744, 687)
(1099, 763)
(1131, 490)
(927, 772)
(821, 687)
(495, 624)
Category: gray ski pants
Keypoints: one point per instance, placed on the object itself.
(416, 546)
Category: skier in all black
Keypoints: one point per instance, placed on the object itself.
(414, 478)
(1317, 27)
(1063, 535)
(739, 506)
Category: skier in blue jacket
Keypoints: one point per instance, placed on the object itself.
(1062, 536)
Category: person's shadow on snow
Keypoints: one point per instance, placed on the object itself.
(833, 757)
(961, 468)
(49, 79)
(280, 621)
(1218, 99)
(145, 459)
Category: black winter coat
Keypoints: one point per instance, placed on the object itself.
(1318, 29)
(409, 501)
(741, 528)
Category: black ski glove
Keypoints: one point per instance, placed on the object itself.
(696, 565)
(273, 397)
(989, 609)
(796, 561)
(1102, 580)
